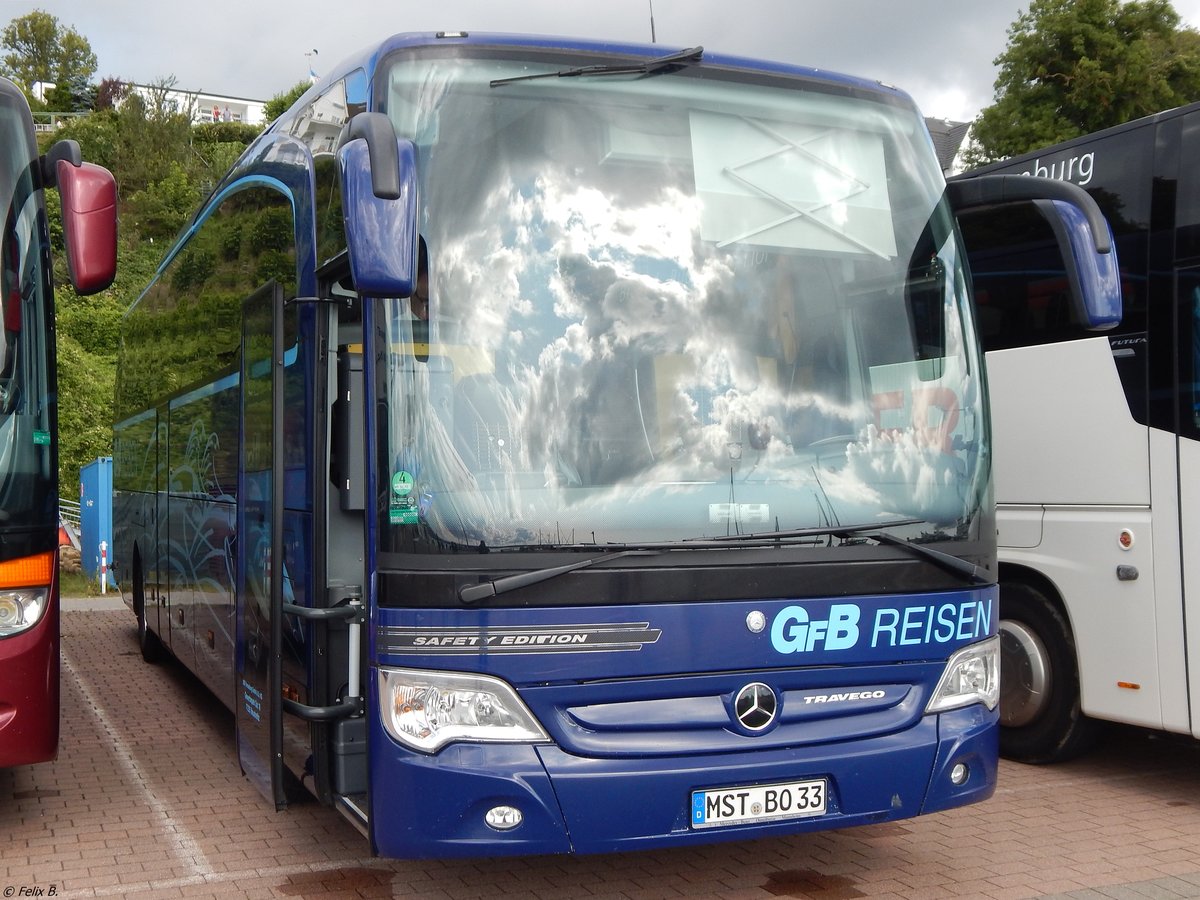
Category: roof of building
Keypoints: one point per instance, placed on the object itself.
(948, 138)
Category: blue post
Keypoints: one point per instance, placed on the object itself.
(95, 515)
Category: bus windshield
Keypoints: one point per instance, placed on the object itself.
(672, 307)
(27, 479)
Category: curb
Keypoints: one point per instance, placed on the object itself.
(109, 602)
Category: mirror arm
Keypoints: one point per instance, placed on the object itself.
(65, 150)
(991, 190)
(376, 129)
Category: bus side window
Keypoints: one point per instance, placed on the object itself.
(10, 298)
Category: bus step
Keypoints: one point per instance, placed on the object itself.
(354, 808)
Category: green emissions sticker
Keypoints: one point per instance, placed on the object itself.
(402, 484)
(402, 508)
(402, 515)
(41, 438)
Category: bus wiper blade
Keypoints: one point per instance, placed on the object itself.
(961, 567)
(747, 540)
(646, 67)
(767, 538)
(473, 593)
(751, 539)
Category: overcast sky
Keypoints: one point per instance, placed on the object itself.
(940, 51)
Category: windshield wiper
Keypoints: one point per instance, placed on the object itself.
(968, 571)
(769, 538)
(726, 542)
(645, 67)
(473, 593)
(865, 531)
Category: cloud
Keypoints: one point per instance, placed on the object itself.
(939, 52)
(601, 364)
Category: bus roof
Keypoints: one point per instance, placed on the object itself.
(368, 58)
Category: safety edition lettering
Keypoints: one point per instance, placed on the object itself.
(518, 639)
(497, 639)
(795, 631)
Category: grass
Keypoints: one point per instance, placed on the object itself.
(77, 584)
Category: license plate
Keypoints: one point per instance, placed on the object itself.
(758, 803)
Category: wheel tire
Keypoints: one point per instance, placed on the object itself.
(148, 642)
(1041, 720)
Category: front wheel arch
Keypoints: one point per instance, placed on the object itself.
(148, 641)
(1041, 717)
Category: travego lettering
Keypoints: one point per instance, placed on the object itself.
(844, 696)
(795, 631)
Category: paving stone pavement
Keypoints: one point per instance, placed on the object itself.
(146, 801)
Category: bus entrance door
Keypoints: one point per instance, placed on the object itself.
(1188, 456)
(260, 559)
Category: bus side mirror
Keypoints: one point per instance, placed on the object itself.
(89, 214)
(1081, 231)
(1094, 278)
(380, 211)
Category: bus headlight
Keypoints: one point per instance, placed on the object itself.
(21, 610)
(427, 710)
(972, 676)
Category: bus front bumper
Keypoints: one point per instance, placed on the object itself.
(429, 806)
(29, 694)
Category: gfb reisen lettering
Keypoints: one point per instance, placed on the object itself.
(795, 631)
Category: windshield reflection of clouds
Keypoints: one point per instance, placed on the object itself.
(600, 370)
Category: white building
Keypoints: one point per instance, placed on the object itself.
(208, 107)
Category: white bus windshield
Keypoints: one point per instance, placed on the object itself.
(673, 307)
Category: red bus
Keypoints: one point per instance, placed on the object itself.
(28, 410)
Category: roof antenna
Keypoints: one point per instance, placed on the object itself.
(653, 40)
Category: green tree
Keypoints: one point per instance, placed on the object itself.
(282, 102)
(87, 345)
(97, 135)
(153, 132)
(1072, 67)
(164, 166)
(162, 208)
(40, 48)
(85, 386)
(216, 146)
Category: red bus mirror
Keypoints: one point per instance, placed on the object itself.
(89, 212)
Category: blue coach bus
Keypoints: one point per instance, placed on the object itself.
(548, 446)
